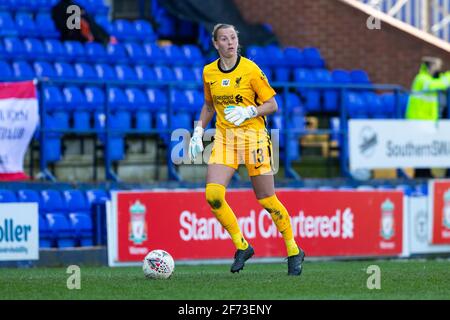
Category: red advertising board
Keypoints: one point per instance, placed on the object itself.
(325, 223)
(440, 206)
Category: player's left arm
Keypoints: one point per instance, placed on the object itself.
(267, 108)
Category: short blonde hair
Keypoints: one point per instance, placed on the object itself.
(219, 26)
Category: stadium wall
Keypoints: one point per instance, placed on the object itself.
(340, 31)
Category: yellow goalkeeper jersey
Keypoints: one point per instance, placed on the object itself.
(243, 85)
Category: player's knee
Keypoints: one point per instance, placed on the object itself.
(215, 195)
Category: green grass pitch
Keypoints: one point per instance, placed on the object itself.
(400, 279)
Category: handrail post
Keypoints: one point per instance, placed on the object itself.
(343, 128)
(42, 135)
(109, 174)
(288, 170)
(171, 171)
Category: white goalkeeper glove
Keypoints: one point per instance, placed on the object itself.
(236, 115)
(196, 143)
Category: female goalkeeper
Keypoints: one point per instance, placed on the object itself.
(239, 92)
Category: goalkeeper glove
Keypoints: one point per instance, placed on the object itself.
(196, 143)
(236, 115)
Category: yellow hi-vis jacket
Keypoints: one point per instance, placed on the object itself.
(425, 105)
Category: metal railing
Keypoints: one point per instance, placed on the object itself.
(286, 132)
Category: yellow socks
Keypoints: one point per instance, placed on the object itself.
(281, 218)
(215, 195)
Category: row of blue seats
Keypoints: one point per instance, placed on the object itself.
(60, 231)
(12, 48)
(100, 71)
(92, 6)
(25, 24)
(91, 98)
(64, 216)
(56, 201)
(293, 57)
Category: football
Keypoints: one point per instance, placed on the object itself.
(158, 264)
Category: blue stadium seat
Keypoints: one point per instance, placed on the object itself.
(95, 52)
(198, 72)
(137, 99)
(341, 76)
(173, 55)
(143, 31)
(359, 77)
(98, 7)
(140, 103)
(63, 234)
(135, 52)
(164, 73)
(14, 48)
(374, 105)
(312, 58)
(75, 101)
(105, 72)
(55, 50)
(83, 229)
(179, 100)
(7, 196)
(184, 74)
(84, 71)
(44, 69)
(293, 57)
(76, 201)
(276, 56)
(329, 96)
(195, 100)
(64, 70)
(28, 195)
(117, 99)
(258, 55)
(25, 25)
(145, 73)
(6, 71)
(157, 99)
(95, 98)
(45, 236)
(7, 25)
(96, 196)
(355, 106)
(75, 51)
(53, 98)
(153, 53)
(34, 49)
(46, 26)
(52, 202)
(125, 73)
(116, 53)
(124, 30)
(22, 70)
(268, 72)
(388, 101)
(310, 96)
(193, 55)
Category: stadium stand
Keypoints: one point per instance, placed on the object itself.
(134, 70)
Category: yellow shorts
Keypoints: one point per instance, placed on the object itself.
(255, 153)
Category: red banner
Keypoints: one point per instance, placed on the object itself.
(440, 204)
(325, 223)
